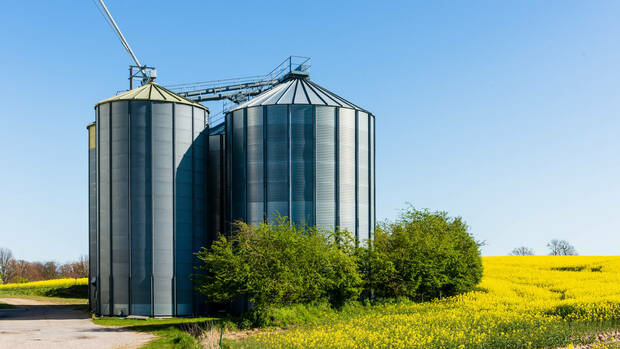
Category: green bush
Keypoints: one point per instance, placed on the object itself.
(421, 256)
(279, 264)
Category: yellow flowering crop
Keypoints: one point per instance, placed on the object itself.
(522, 302)
(47, 283)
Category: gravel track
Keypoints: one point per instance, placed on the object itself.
(41, 324)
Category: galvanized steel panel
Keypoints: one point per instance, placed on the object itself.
(346, 169)
(120, 207)
(216, 207)
(238, 166)
(300, 95)
(141, 218)
(302, 164)
(326, 167)
(199, 151)
(183, 206)
(103, 172)
(162, 159)
(277, 162)
(372, 177)
(289, 94)
(255, 169)
(273, 96)
(363, 178)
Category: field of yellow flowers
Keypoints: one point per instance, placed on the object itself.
(75, 289)
(46, 283)
(522, 302)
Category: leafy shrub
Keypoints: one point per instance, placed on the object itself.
(421, 256)
(279, 264)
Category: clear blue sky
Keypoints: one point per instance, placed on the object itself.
(503, 112)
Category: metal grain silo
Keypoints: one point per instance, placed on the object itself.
(151, 170)
(303, 152)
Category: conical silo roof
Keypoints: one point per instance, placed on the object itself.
(298, 90)
(152, 92)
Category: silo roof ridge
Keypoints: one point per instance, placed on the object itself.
(151, 92)
(301, 91)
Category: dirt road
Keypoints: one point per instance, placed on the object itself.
(37, 324)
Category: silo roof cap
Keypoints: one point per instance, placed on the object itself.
(298, 90)
(152, 92)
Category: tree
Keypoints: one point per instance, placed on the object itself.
(522, 251)
(6, 265)
(561, 248)
(421, 256)
(49, 270)
(278, 264)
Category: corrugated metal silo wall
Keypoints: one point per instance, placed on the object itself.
(92, 213)
(151, 171)
(216, 184)
(313, 164)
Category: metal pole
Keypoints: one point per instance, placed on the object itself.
(123, 41)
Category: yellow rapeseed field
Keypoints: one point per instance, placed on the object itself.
(47, 283)
(522, 302)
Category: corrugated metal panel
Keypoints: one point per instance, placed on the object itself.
(273, 96)
(373, 216)
(200, 149)
(141, 218)
(105, 249)
(277, 161)
(228, 173)
(255, 161)
(289, 96)
(183, 207)
(300, 95)
(302, 165)
(325, 167)
(162, 208)
(325, 97)
(238, 194)
(363, 185)
(312, 95)
(343, 102)
(120, 207)
(346, 169)
(216, 187)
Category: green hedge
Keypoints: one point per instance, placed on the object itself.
(421, 256)
(279, 264)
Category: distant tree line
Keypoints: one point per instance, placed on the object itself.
(18, 270)
(556, 248)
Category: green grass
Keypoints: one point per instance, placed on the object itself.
(169, 331)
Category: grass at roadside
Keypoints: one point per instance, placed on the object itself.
(171, 333)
